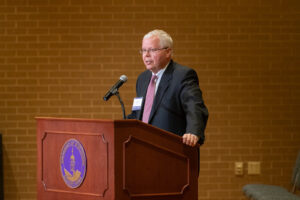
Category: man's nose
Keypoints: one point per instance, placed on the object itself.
(147, 53)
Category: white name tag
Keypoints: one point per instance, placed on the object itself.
(137, 103)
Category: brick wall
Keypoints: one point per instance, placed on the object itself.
(59, 57)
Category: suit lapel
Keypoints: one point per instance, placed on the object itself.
(163, 86)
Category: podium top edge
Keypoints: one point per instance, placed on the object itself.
(119, 121)
(84, 119)
(73, 119)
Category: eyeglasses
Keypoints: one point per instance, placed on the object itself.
(144, 51)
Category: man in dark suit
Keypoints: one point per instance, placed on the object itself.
(168, 94)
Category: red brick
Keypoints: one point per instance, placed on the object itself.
(59, 58)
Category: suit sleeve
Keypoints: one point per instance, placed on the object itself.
(193, 105)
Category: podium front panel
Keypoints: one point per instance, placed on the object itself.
(52, 138)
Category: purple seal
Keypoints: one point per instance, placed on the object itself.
(73, 163)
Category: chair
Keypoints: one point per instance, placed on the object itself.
(1, 170)
(272, 192)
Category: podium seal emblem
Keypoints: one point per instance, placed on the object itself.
(73, 163)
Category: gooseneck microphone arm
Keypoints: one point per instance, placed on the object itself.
(122, 104)
(114, 91)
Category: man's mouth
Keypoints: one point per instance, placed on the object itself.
(148, 62)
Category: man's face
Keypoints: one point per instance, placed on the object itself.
(154, 61)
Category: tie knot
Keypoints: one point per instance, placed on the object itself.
(154, 78)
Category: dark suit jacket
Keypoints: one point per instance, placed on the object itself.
(178, 106)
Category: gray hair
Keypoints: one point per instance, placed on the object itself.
(164, 38)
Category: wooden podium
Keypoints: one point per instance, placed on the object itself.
(125, 160)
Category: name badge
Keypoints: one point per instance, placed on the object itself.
(137, 103)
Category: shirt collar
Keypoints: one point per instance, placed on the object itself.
(160, 72)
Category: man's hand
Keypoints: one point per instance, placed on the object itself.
(190, 139)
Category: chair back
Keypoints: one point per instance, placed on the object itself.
(1, 170)
(296, 174)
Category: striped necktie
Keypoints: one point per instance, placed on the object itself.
(149, 98)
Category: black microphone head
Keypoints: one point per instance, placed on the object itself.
(123, 78)
(115, 87)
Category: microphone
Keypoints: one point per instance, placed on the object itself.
(115, 87)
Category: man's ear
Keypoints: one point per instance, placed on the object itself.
(169, 52)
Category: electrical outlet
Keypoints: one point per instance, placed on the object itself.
(253, 168)
(239, 168)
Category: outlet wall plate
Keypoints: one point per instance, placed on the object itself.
(239, 168)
